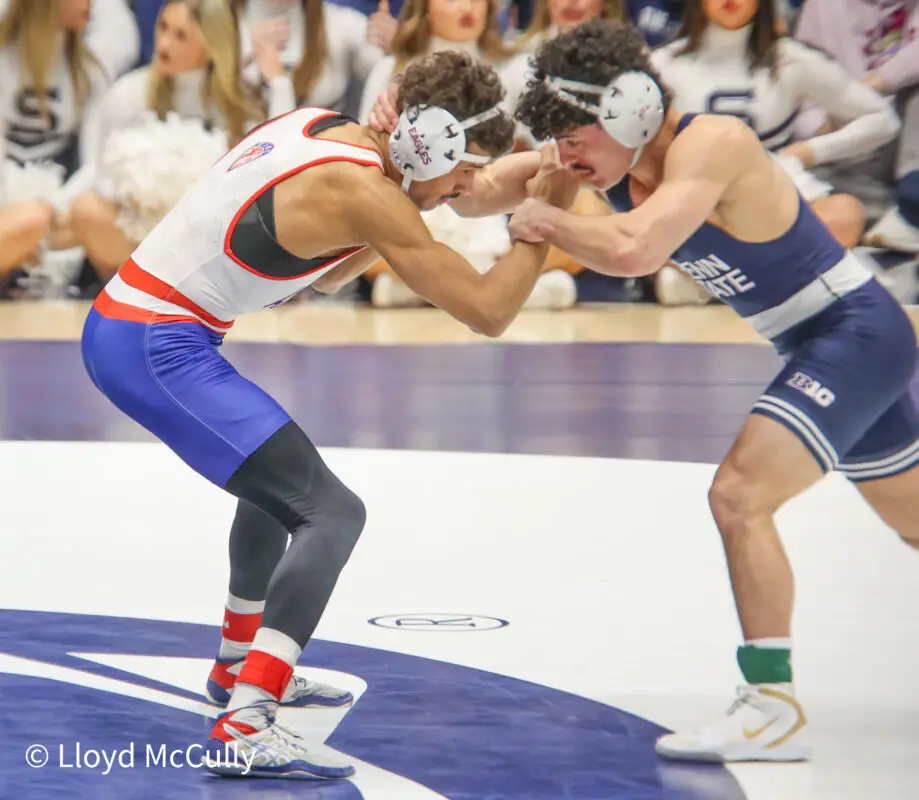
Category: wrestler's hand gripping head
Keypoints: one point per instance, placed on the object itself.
(429, 147)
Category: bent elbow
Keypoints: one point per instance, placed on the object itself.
(491, 333)
(492, 321)
(492, 326)
(497, 330)
(636, 260)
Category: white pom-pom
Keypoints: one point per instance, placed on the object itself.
(37, 180)
(481, 240)
(147, 168)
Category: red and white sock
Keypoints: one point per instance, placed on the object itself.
(241, 619)
(267, 669)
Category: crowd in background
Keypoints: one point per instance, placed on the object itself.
(110, 109)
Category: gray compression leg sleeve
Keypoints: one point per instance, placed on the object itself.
(257, 543)
(287, 479)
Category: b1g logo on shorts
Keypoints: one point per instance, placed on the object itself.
(254, 152)
(814, 390)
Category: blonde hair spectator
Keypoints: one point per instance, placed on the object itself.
(161, 125)
(206, 34)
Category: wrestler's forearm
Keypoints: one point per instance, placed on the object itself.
(599, 243)
(511, 280)
(500, 187)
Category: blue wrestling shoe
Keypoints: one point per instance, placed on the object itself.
(248, 743)
(300, 692)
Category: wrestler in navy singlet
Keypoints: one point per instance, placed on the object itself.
(849, 348)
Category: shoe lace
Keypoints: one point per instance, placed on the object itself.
(292, 739)
(274, 743)
(746, 695)
(302, 684)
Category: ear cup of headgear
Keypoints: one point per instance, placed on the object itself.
(427, 143)
(631, 109)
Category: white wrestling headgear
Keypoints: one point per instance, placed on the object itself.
(630, 108)
(429, 141)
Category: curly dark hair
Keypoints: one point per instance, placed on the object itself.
(464, 86)
(595, 52)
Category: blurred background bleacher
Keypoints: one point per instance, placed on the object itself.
(110, 109)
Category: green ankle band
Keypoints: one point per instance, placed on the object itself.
(764, 665)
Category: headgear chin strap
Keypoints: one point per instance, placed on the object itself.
(630, 109)
(429, 141)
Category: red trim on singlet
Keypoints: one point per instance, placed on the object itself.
(261, 125)
(143, 281)
(308, 135)
(242, 210)
(112, 309)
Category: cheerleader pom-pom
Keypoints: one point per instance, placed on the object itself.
(481, 240)
(149, 167)
(38, 180)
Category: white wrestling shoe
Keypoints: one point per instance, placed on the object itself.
(765, 724)
(248, 743)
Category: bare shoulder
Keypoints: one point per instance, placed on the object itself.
(722, 159)
(335, 176)
(716, 131)
(370, 191)
(361, 182)
(371, 206)
(343, 182)
(714, 143)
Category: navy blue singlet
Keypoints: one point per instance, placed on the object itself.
(753, 277)
(848, 346)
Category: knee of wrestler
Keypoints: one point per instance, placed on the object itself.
(348, 515)
(734, 499)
